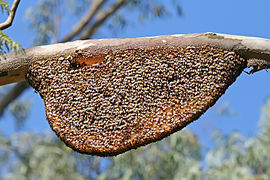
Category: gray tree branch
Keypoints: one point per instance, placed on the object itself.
(15, 92)
(93, 9)
(11, 16)
(102, 17)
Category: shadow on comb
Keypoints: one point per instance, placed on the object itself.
(131, 97)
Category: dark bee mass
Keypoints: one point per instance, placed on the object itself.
(132, 98)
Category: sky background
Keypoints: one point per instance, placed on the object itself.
(245, 97)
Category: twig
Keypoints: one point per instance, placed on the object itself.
(101, 19)
(93, 9)
(11, 16)
(257, 65)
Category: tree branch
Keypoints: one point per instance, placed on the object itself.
(11, 16)
(257, 65)
(15, 65)
(93, 9)
(15, 92)
(101, 19)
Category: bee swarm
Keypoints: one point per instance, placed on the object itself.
(132, 98)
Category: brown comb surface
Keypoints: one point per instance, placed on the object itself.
(133, 97)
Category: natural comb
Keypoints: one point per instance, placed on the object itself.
(126, 98)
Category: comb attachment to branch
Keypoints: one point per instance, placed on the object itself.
(131, 97)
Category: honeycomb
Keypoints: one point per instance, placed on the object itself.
(131, 97)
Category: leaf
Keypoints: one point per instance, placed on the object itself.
(7, 44)
(4, 7)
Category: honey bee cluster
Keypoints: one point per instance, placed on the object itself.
(132, 98)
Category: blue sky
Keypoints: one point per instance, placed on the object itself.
(246, 96)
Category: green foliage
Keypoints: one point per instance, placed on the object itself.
(20, 110)
(4, 7)
(174, 157)
(179, 156)
(226, 160)
(31, 156)
(42, 20)
(35, 156)
(77, 8)
(45, 17)
(6, 43)
(150, 8)
(235, 157)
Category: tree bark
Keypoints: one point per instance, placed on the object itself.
(14, 65)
